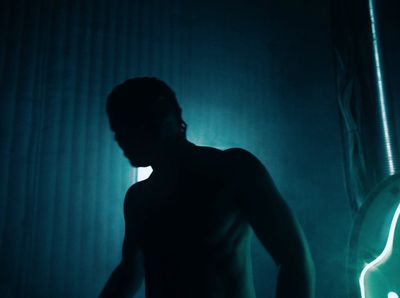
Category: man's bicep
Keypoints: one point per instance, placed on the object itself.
(267, 212)
(275, 226)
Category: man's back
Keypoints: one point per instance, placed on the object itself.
(193, 238)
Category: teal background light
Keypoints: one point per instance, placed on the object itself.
(255, 74)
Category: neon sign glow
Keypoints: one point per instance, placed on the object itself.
(387, 251)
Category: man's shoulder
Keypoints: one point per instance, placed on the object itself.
(236, 155)
(235, 164)
(225, 158)
(134, 194)
(242, 159)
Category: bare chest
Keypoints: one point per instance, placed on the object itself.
(193, 212)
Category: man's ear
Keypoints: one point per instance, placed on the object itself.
(164, 117)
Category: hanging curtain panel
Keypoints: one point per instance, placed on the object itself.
(251, 74)
(63, 179)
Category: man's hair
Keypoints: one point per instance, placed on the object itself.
(134, 99)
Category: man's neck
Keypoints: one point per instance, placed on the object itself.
(173, 156)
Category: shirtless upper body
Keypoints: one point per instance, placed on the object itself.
(188, 227)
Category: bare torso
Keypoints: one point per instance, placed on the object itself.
(194, 241)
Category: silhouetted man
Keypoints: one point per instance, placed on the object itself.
(188, 226)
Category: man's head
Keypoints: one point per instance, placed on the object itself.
(145, 117)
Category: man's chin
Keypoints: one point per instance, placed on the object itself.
(137, 164)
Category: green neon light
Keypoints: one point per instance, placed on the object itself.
(387, 251)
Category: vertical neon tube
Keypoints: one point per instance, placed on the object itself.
(381, 91)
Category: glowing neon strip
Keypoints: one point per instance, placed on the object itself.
(381, 91)
(383, 256)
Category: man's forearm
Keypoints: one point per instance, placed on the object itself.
(122, 283)
(296, 281)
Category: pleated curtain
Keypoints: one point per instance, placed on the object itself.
(63, 177)
(252, 74)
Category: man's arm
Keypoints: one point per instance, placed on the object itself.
(127, 277)
(275, 226)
